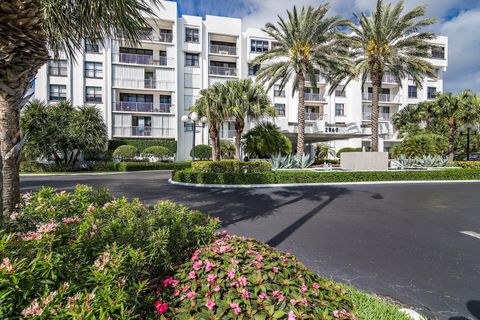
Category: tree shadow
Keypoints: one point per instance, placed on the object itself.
(473, 307)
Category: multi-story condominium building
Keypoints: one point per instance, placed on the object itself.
(144, 90)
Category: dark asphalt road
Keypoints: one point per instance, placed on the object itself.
(401, 241)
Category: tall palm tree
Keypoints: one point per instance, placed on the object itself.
(389, 41)
(246, 100)
(29, 29)
(212, 105)
(306, 42)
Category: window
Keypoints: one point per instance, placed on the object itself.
(253, 69)
(277, 92)
(57, 68)
(280, 109)
(258, 46)
(91, 47)
(339, 109)
(438, 52)
(191, 35)
(93, 69)
(340, 91)
(93, 94)
(192, 59)
(431, 93)
(412, 91)
(58, 92)
(188, 127)
(145, 52)
(384, 110)
(132, 97)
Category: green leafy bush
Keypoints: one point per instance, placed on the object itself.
(231, 166)
(202, 152)
(227, 149)
(142, 144)
(266, 139)
(237, 278)
(158, 152)
(348, 149)
(421, 145)
(141, 166)
(86, 255)
(125, 152)
(191, 176)
(102, 166)
(468, 164)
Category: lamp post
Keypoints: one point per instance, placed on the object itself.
(469, 127)
(194, 117)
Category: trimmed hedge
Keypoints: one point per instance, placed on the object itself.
(35, 167)
(348, 149)
(141, 166)
(468, 164)
(143, 144)
(231, 166)
(125, 152)
(191, 176)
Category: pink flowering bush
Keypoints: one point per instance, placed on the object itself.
(86, 255)
(235, 278)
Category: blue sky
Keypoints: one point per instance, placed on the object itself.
(457, 19)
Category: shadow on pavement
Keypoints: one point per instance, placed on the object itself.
(473, 307)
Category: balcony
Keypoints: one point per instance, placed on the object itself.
(142, 59)
(313, 116)
(132, 131)
(308, 96)
(223, 50)
(164, 85)
(126, 106)
(223, 71)
(383, 97)
(387, 78)
(381, 116)
(157, 37)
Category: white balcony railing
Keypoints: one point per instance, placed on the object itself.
(227, 134)
(127, 106)
(314, 116)
(143, 59)
(223, 71)
(133, 131)
(157, 37)
(381, 116)
(383, 97)
(387, 78)
(144, 84)
(224, 50)
(314, 96)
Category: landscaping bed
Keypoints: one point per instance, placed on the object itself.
(287, 177)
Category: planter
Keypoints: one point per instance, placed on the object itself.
(364, 161)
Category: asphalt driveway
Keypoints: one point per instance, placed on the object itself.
(401, 241)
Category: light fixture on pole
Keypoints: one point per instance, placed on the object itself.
(469, 127)
(194, 118)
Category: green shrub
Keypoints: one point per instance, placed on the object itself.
(202, 152)
(85, 255)
(266, 139)
(348, 149)
(190, 176)
(125, 152)
(231, 166)
(32, 166)
(227, 149)
(237, 278)
(142, 144)
(421, 145)
(468, 164)
(141, 166)
(158, 152)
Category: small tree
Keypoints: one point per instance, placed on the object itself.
(202, 152)
(421, 145)
(158, 152)
(266, 139)
(227, 149)
(125, 152)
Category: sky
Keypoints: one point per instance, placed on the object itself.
(457, 19)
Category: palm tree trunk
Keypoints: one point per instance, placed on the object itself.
(213, 134)
(451, 139)
(239, 125)
(218, 151)
(376, 87)
(301, 115)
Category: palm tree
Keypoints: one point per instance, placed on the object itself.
(389, 41)
(212, 105)
(245, 99)
(305, 43)
(29, 29)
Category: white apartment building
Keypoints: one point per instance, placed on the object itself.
(144, 90)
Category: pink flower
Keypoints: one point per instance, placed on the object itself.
(212, 277)
(161, 307)
(196, 253)
(263, 295)
(190, 294)
(316, 286)
(208, 294)
(336, 314)
(235, 284)
(236, 308)
(292, 316)
(176, 292)
(168, 281)
(175, 282)
(186, 288)
(191, 275)
(91, 208)
(259, 258)
(275, 270)
(251, 251)
(107, 205)
(304, 301)
(7, 265)
(293, 302)
(210, 304)
(276, 293)
(223, 233)
(242, 281)
(71, 220)
(231, 274)
(216, 288)
(245, 294)
(304, 287)
(233, 261)
(197, 265)
(14, 216)
(209, 266)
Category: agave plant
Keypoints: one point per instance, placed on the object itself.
(291, 161)
(428, 161)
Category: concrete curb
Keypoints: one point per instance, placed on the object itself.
(283, 185)
(414, 315)
(87, 173)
